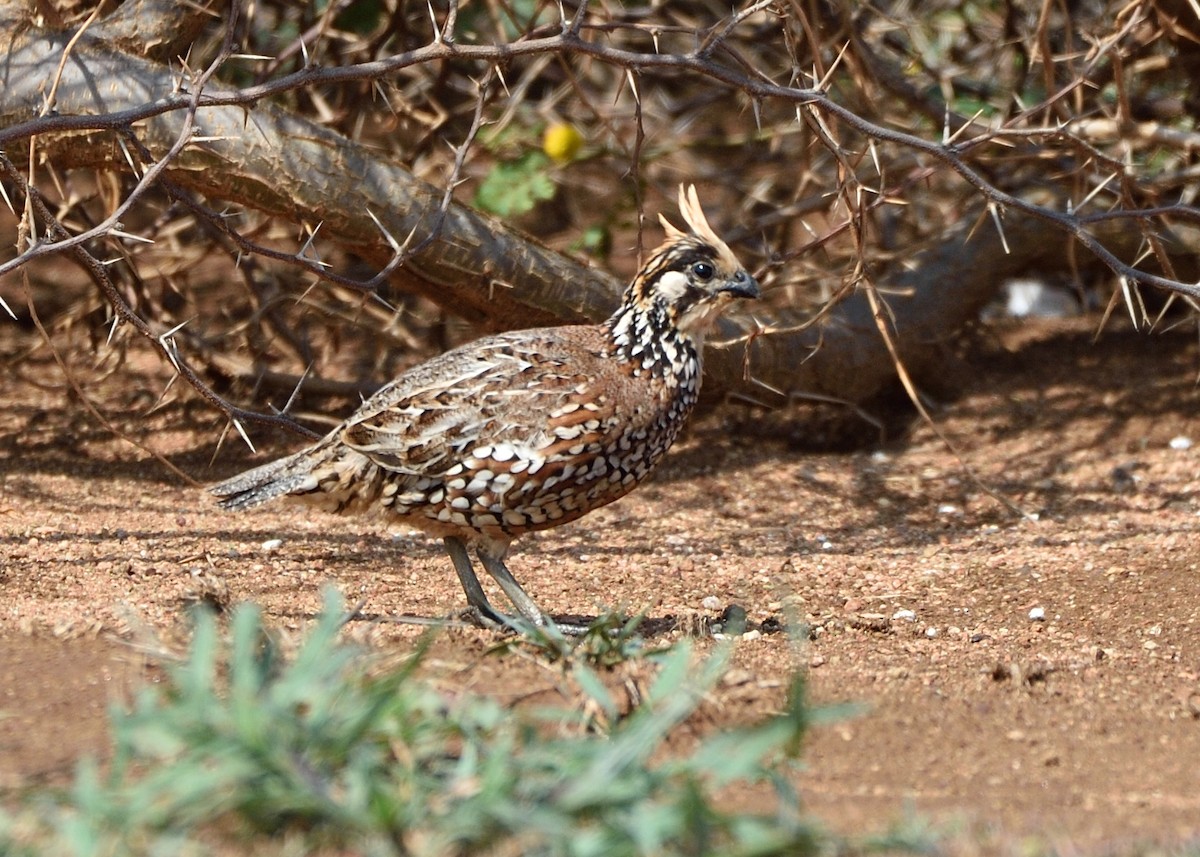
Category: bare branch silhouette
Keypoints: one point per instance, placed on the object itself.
(253, 141)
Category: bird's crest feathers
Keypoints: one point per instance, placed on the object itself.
(693, 216)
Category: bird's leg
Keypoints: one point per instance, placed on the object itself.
(520, 599)
(481, 609)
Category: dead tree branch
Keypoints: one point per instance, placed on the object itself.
(248, 151)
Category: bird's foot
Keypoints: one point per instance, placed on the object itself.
(489, 619)
(570, 626)
(540, 626)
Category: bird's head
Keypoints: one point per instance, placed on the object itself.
(692, 276)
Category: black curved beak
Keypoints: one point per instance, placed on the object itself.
(742, 285)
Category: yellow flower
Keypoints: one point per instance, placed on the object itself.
(562, 142)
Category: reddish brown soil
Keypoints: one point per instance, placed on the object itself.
(1081, 729)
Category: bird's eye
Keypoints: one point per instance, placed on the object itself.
(703, 270)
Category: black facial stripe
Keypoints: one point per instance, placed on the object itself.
(689, 256)
(680, 259)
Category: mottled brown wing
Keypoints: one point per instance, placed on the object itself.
(502, 391)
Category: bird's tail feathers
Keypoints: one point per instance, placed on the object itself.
(291, 475)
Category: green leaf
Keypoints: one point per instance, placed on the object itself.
(515, 187)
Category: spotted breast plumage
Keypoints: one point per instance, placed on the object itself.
(528, 429)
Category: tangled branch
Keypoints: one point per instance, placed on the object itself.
(808, 82)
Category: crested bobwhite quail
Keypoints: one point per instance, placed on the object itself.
(525, 430)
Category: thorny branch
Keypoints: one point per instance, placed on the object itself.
(61, 239)
(567, 43)
(163, 342)
(719, 63)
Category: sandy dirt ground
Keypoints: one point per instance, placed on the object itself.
(1024, 678)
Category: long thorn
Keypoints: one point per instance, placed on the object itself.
(237, 424)
(994, 210)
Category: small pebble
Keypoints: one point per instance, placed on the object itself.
(947, 509)
(1037, 614)
(931, 632)
(1181, 442)
(907, 615)
(772, 625)
(711, 602)
(271, 544)
(1192, 703)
